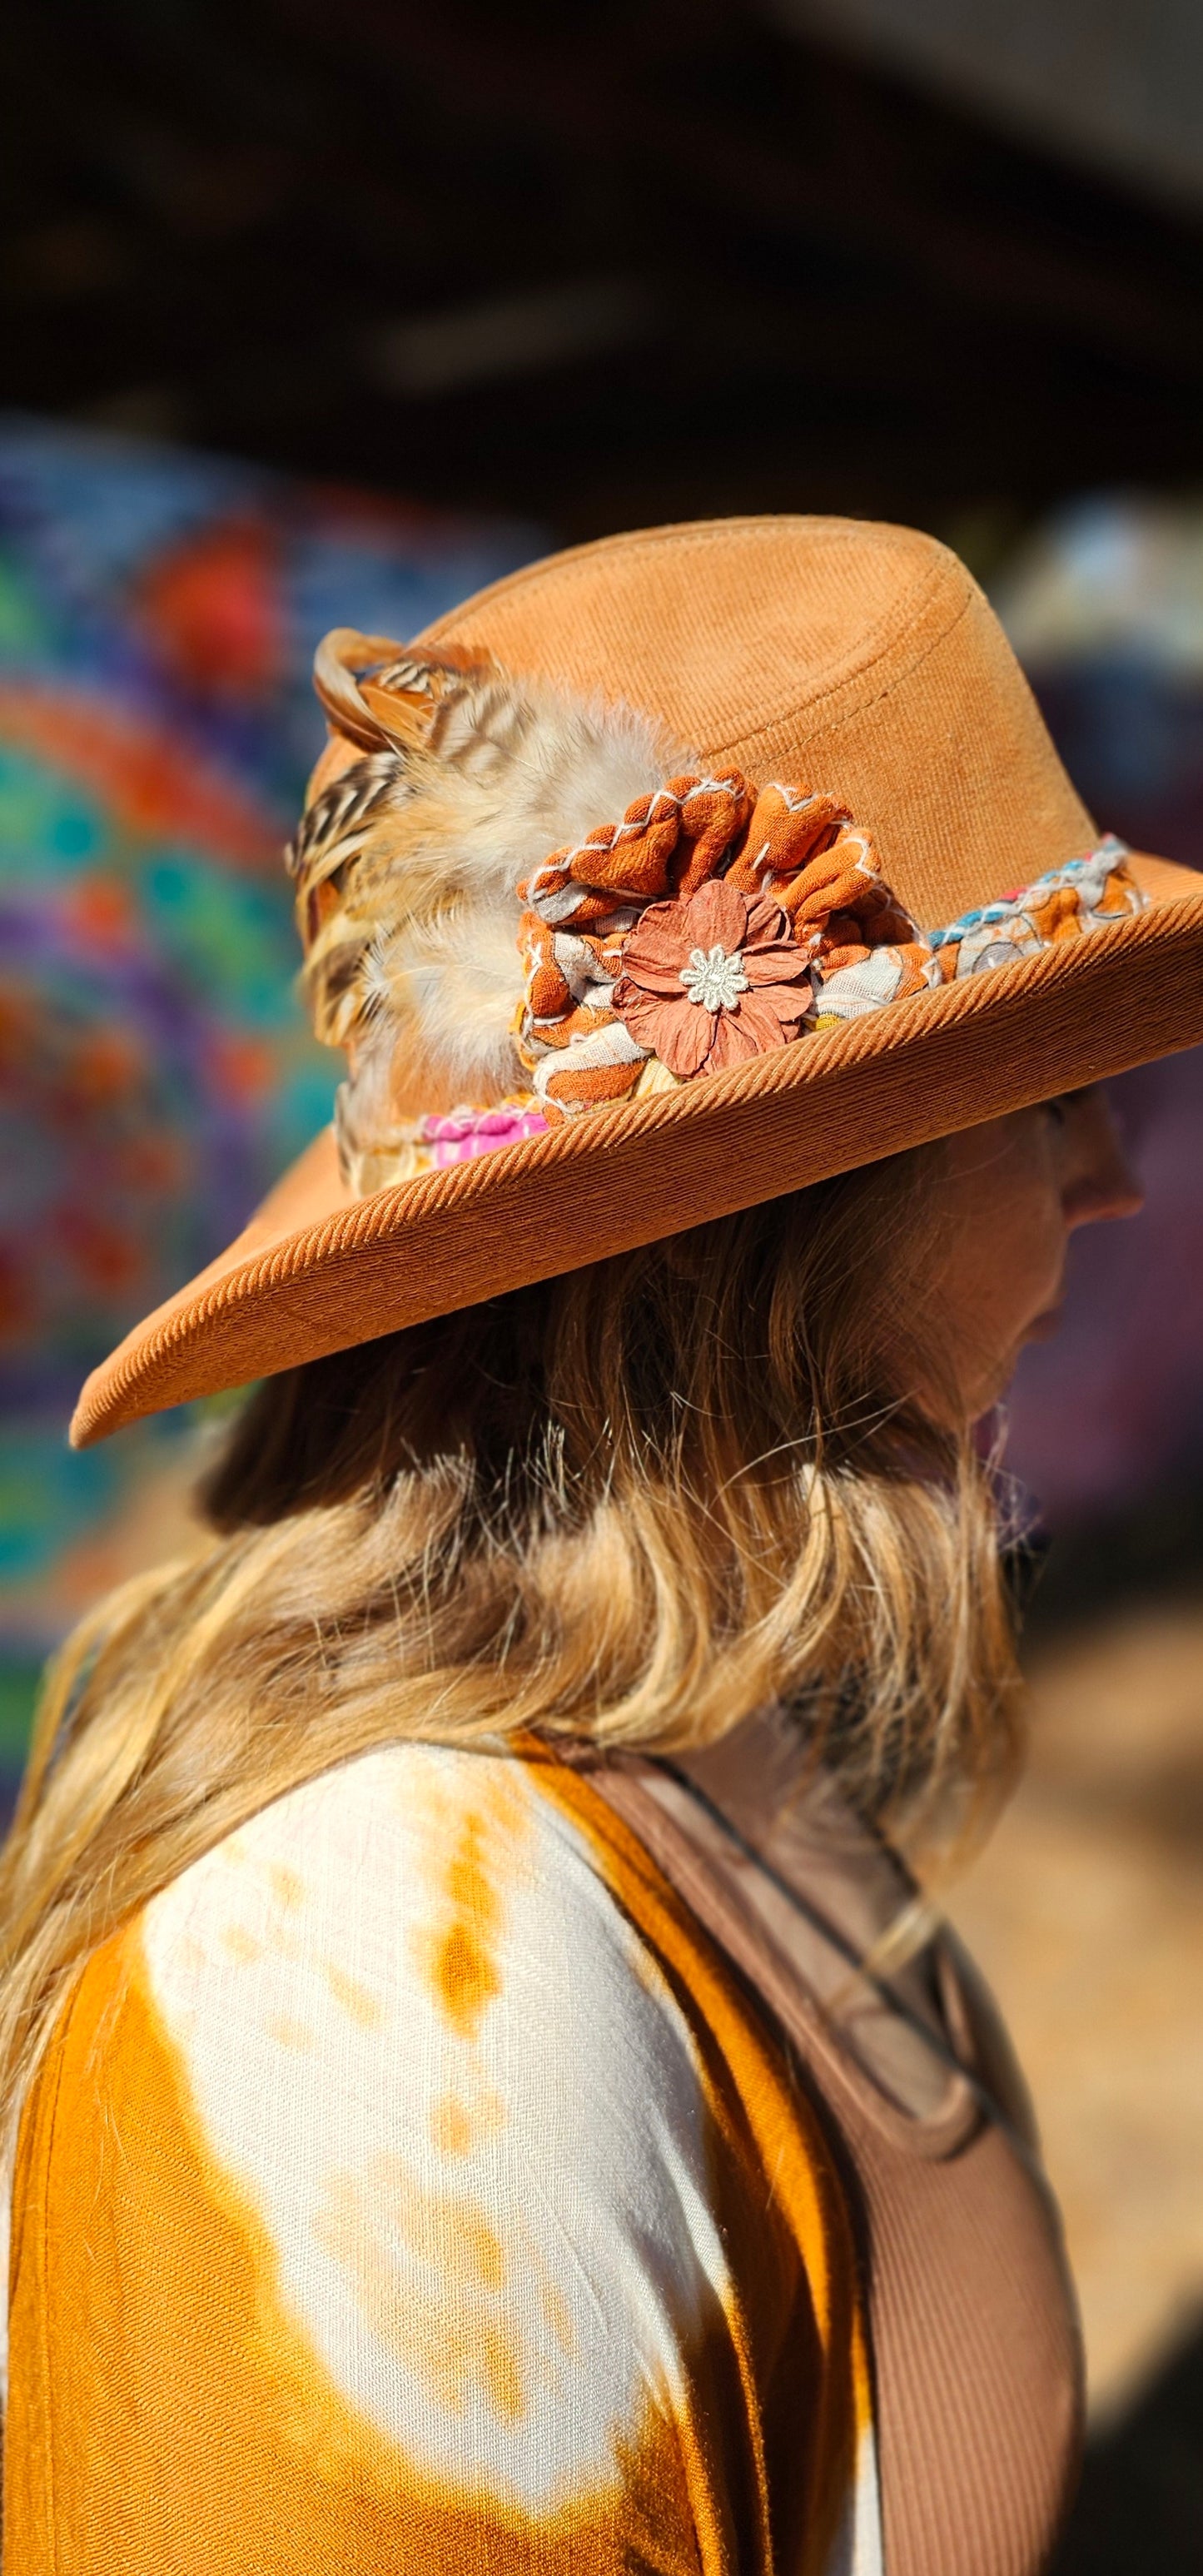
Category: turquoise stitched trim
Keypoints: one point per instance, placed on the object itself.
(1006, 906)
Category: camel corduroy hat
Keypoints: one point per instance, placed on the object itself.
(664, 877)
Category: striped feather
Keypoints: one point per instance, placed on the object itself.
(406, 866)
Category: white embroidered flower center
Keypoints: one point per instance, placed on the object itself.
(714, 979)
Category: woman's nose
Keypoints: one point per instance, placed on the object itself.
(1101, 1182)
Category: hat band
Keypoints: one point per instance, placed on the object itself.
(610, 1015)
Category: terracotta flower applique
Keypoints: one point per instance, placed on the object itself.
(712, 980)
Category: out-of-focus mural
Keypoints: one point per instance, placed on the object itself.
(158, 612)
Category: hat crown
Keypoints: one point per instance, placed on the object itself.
(859, 657)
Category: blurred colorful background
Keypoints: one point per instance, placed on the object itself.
(314, 320)
(157, 619)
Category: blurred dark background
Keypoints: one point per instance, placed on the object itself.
(619, 262)
(314, 317)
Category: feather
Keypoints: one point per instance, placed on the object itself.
(407, 864)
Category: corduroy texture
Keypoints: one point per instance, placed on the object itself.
(864, 661)
(861, 659)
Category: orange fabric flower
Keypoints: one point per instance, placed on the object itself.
(823, 870)
(712, 980)
(667, 843)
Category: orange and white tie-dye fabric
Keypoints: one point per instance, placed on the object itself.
(411, 2187)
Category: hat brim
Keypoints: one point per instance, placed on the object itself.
(318, 1271)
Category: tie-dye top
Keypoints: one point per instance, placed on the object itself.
(413, 2187)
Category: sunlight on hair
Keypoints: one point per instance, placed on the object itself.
(631, 1505)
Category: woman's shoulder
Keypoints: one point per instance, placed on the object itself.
(413, 2172)
(407, 1992)
(415, 2032)
(416, 1889)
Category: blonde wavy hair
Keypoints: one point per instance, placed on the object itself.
(633, 1504)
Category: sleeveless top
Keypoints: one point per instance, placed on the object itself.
(459, 2168)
